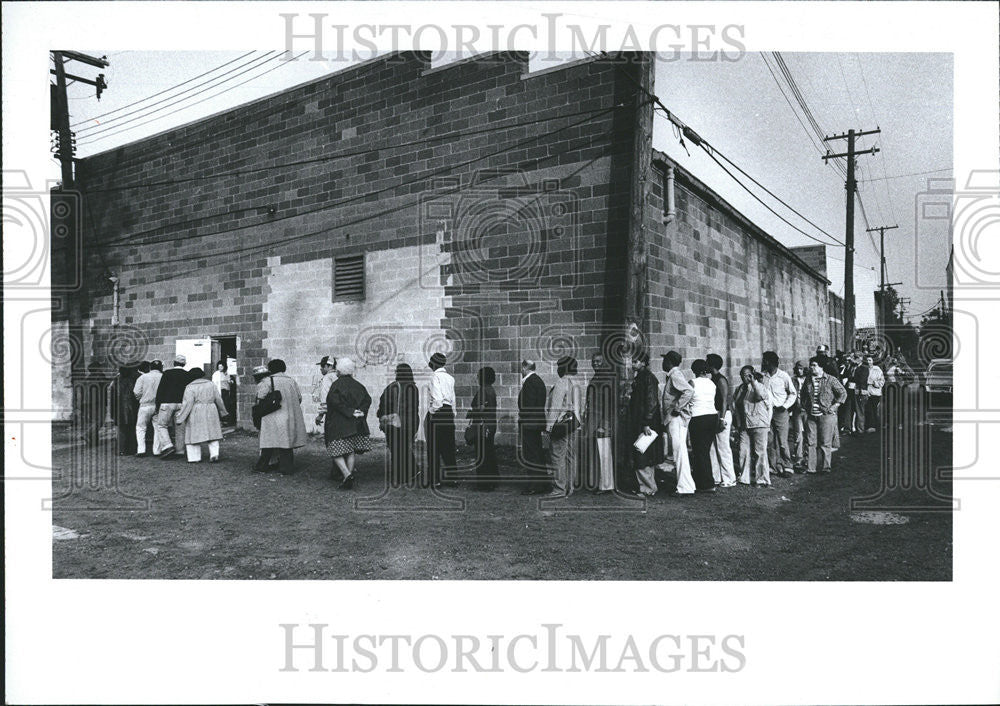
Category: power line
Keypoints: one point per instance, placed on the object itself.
(117, 129)
(231, 212)
(911, 174)
(341, 155)
(366, 196)
(166, 90)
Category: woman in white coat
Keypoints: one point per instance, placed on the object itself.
(201, 409)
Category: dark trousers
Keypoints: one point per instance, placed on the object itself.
(873, 418)
(486, 456)
(440, 443)
(701, 430)
(127, 443)
(533, 457)
(402, 464)
(856, 417)
(286, 460)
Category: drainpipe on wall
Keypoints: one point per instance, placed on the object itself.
(114, 301)
(668, 197)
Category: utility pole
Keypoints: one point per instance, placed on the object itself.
(851, 186)
(72, 255)
(882, 271)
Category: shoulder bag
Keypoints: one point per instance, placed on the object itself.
(393, 419)
(270, 403)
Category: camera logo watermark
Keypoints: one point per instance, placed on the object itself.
(316, 648)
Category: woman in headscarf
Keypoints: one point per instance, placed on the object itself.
(201, 410)
(284, 430)
(346, 426)
(398, 413)
(483, 419)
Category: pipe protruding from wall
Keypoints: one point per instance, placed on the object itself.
(668, 197)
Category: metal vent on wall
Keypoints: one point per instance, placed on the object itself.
(349, 278)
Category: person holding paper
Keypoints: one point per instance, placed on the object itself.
(644, 420)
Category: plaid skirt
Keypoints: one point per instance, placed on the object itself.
(356, 444)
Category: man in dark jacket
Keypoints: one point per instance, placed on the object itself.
(169, 396)
(125, 409)
(859, 386)
(530, 425)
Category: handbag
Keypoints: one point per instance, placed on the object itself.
(271, 402)
(392, 419)
(566, 425)
(471, 432)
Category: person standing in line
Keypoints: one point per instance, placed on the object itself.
(530, 425)
(201, 413)
(599, 425)
(797, 440)
(706, 421)
(145, 392)
(822, 395)
(723, 473)
(644, 417)
(675, 406)
(439, 423)
(284, 430)
(346, 427)
(779, 385)
(876, 381)
(400, 398)
(752, 418)
(845, 416)
(220, 378)
(483, 419)
(328, 370)
(859, 379)
(563, 411)
(169, 396)
(124, 409)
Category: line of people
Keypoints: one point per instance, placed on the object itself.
(166, 411)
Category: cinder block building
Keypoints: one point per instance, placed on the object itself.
(393, 209)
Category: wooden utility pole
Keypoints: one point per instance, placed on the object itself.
(61, 109)
(882, 270)
(851, 186)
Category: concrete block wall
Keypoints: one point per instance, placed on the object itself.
(224, 226)
(718, 284)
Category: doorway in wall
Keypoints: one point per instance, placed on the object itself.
(224, 350)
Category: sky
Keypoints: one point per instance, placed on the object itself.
(738, 107)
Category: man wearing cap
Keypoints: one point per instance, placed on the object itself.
(440, 421)
(327, 367)
(145, 391)
(169, 396)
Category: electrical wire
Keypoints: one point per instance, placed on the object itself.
(160, 93)
(911, 174)
(360, 197)
(368, 195)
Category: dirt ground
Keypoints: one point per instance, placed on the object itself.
(213, 521)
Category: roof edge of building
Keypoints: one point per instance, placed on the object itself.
(342, 73)
(661, 160)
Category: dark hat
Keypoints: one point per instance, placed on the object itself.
(325, 360)
(438, 359)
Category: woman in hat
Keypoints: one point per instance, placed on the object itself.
(346, 426)
(201, 411)
(284, 430)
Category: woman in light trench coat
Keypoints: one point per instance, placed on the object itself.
(284, 429)
(201, 408)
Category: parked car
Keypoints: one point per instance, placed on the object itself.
(938, 377)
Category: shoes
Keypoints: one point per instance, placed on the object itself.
(763, 485)
(705, 490)
(727, 485)
(213, 459)
(144, 454)
(347, 483)
(167, 453)
(810, 470)
(529, 491)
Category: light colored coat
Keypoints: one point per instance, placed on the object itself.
(201, 408)
(285, 428)
(752, 406)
